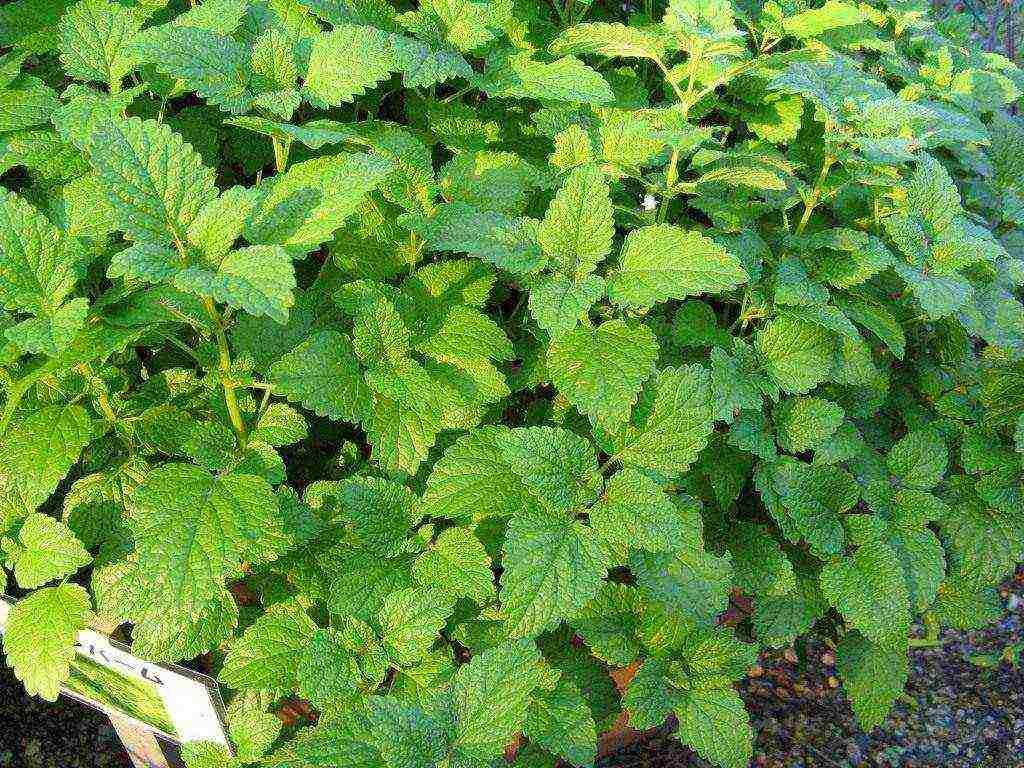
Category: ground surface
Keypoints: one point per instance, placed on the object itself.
(957, 714)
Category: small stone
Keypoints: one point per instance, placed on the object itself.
(833, 681)
(790, 655)
(828, 658)
(756, 671)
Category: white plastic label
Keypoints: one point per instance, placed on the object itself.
(174, 702)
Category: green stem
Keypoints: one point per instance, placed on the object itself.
(102, 397)
(281, 148)
(224, 355)
(923, 642)
(815, 197)
(611, 460)
(675, 88)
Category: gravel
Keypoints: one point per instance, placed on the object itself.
(956, 714)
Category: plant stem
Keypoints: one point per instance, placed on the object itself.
(281, 148)
(611, 460)
(224, 354)
(102, 398)
(815, 197)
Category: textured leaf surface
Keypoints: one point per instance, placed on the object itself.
(662, 262)
(457, 563)
(36, 272)
(490, 696)
(601, 370)
(635, 512)
(94, 37)
(155, 182)
(868, 590)
(346, 61)
(194, 530)
(37, 452)
(873, 677)
(674, 423)
(39, 641)
(577, 230)
(267, 654)
(552, 569)
(46, 550)
(323, 375)
(798, 355)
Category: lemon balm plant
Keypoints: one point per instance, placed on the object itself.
(419, 366)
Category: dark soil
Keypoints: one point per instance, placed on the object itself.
(66, 734)
(956, 714)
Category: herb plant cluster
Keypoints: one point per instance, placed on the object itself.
(417, 367)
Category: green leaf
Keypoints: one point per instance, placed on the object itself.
(39, 640)
(873, 676)
(37, 265)
(218, 67)
(36, 453)
(322, 374)
(760, 565)
(490, 696)
(94, 38)
(610, 40)
(692, 582)
(552, 569)
(804, 423)
(303, 207)
(561, 722)
(25, 103)
(279, 425)
(816, 21)
(506, 242)
(381, 513)
(474, 479)
(328, 672)
(457, 563)
(672, 424)
(558, 467)
(919, 458)
(635, 512)
(714, 722)
(410, 621)
(601, 370)
(45, 550)
(423, 66)
(404, 735)
(268, 652)
(219, 223)
(558, 304)
(712, 718)
(155, 182)
(346, 61)
(577, 230)
(797, 354)
(810, 499)
(566, 79)
(177, 511)
(259, 279)
(609, 624)
(661, 262)
(868, 589)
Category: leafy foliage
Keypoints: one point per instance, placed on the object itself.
(429, 361)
